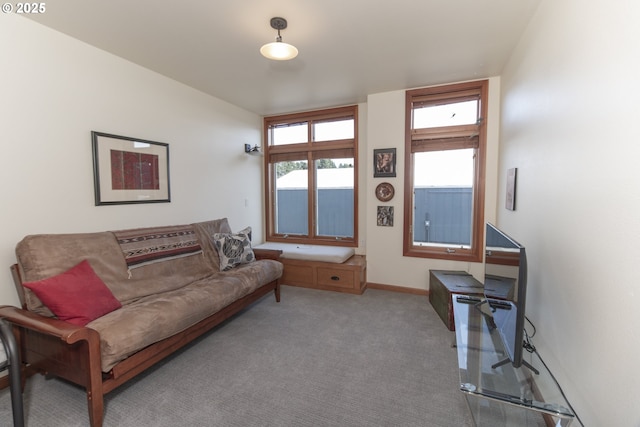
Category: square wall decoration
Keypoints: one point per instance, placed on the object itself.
(129, 170)
(510, 202)
(384, 162)
(385, 216)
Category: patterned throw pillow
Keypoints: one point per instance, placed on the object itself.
(234, 248)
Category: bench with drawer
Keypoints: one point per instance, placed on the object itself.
(321, 267)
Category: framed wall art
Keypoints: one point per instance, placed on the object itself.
(384, 162)
(385, 216)
(510, 200)
(129, 170)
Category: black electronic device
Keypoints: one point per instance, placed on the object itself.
(468, 299)
(506, 268)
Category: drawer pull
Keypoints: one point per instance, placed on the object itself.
(335, 278)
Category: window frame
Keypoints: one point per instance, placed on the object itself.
(309, 151)
(441, 138)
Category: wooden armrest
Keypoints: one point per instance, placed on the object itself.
(267, 253)
(66, 331)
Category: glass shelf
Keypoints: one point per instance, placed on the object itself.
(503, 395)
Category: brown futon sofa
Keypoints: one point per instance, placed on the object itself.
(125, 300)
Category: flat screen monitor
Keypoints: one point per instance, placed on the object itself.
(505, 287)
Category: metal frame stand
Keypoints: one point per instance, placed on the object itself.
(13, 362)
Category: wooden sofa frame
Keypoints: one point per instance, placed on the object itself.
(54, 347)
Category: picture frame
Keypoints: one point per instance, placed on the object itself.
(384, 216)
(129, 170)
(510, 199)
(384, 162)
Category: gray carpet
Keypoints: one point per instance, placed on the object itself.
(315, 359)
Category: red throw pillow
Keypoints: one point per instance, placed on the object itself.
(78, 295)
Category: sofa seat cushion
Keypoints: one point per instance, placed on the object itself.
(156, 317)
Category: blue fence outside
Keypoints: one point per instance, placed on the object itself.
(335, 211)
(442, 215)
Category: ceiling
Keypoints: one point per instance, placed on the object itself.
(348, 48)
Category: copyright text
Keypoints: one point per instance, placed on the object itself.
(24, 8)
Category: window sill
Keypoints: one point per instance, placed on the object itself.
(465, 255)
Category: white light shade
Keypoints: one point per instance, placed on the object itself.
(279, 51)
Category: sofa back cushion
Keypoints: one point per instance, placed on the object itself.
(46, 255)
(205, 231)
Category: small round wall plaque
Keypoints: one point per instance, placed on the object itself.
(385, 192)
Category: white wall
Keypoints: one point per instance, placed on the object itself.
(569, 124)
(385, 129)
(56, 90)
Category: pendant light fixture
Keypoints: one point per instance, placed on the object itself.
(279, 50)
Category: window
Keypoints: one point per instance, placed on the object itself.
(445, 161)
(311, 186)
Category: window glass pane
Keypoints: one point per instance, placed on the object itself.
(443, 197)
(457, 113)
(294, 133)
(335, 198)
(331, 130)
(292, 195)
